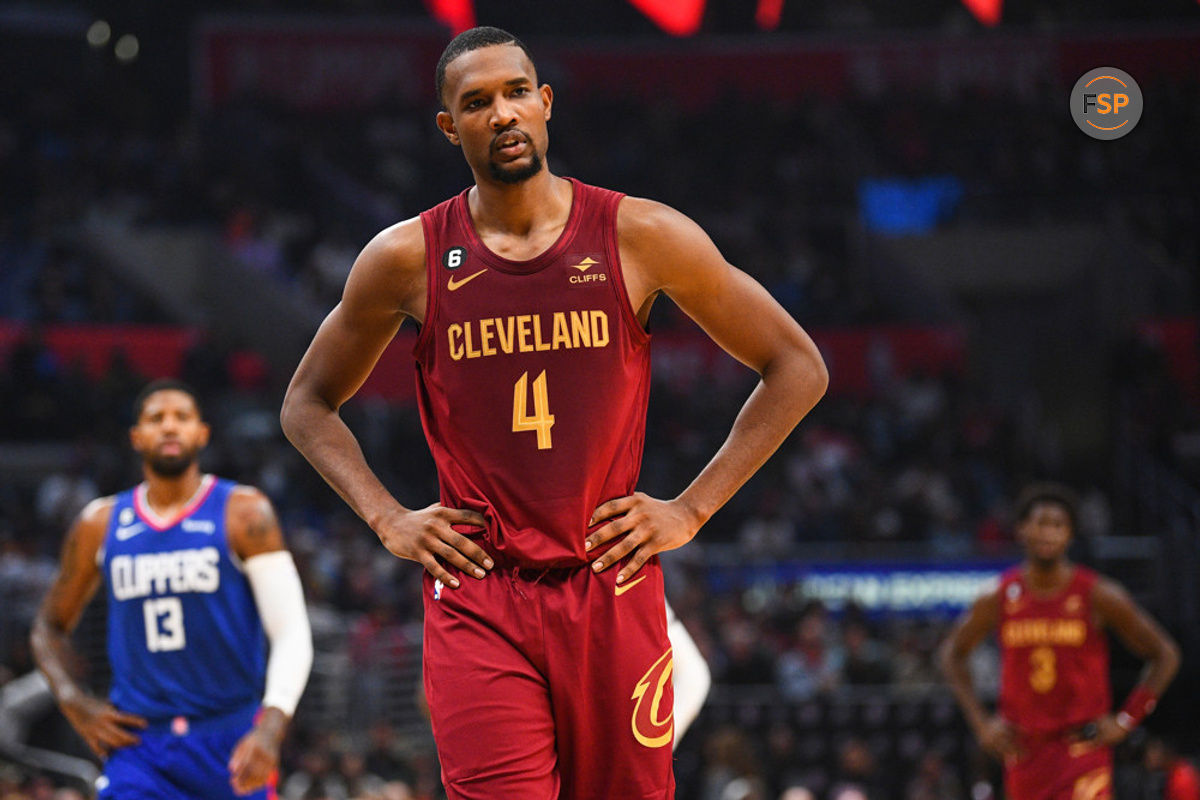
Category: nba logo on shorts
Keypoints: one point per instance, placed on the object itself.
(437, 589)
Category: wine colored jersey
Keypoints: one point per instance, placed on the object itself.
(1054, 658)
(532, 379)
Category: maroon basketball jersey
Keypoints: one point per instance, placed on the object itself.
(1054, 659)
(532, 379)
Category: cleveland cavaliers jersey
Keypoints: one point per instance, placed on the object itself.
(184, 635)
(1054, 658)
(532, 379)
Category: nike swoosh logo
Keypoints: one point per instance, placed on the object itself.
(622, 588)
(453, 284)
(130, 532)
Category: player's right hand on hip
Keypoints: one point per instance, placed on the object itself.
(426, 536)
(999, 737)
(103, 726)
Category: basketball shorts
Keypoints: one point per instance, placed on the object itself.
(551, 685)
(1060, 769)
(180, 759)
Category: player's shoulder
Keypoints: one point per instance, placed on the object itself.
(399, 246)
(248, 501)
(98, 512)
(641, 217)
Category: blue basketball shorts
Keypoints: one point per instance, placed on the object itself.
(180, 759)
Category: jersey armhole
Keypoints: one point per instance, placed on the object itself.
(431, 294)
(612, 243)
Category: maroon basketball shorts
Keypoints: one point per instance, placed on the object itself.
(548, 684)
(1060, 769)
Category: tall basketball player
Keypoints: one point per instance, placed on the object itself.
(198, 582)
(1054, 729)
(547, 661)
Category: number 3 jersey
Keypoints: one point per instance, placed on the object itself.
(184, 635)
(532, 379)
(1054, 657)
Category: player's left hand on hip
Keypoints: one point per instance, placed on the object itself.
(1107, 731)
(256, 756)
(650, 527)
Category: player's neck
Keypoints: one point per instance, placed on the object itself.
(520, 209)
(1045, 578)
(166, 495)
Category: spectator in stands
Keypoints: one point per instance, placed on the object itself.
(812, 664)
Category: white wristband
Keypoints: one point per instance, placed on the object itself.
(280, 599)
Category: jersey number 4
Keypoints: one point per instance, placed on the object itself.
(542, 420)
(164, 624)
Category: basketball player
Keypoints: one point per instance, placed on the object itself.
(196, 571)
(1055, 730)
(547, 663)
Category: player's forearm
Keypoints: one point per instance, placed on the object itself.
(319, 433)
(52, 652)
(1161, 668)
(954, 668)
(787, 392)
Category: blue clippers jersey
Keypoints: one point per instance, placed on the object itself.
(184, 635)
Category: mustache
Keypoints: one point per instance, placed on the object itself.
(509, 133)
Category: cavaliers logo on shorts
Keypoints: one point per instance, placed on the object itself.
(650, 727)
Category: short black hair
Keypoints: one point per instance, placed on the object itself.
(163, 385)
(465, 42)
(1036, 494)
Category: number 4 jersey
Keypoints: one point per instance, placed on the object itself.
(1054, 658)
(184, 635)
(532, 379)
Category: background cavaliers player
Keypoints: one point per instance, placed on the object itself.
(547, 672)
(1055, 730)
(195, 572)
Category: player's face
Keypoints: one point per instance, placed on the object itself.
(169, 434)
(1046, 533)
(497, 113)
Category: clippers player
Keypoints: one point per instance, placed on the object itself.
(1054, 730)
(547, 663)
(198, 581)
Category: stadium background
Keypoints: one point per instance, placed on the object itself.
(999, 297)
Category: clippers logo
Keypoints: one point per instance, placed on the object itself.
(650, 727)
(125, 517)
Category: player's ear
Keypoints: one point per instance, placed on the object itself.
(445, 124)
(205, 433)
(547, 98)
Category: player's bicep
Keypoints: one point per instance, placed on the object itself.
(974, 626)
(1136, 629)
(735, 310)
(251, 523)
(79, 574)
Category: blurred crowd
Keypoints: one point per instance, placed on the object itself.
(924, 461)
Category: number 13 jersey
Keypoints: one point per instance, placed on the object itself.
(532, 379)
(184, 635)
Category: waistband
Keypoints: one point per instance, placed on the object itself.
(181, 725)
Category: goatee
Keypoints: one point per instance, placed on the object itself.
(170, 466)
(518, 174)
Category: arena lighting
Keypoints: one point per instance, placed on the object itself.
(98, 34)
(126, 49)
(457, 15)
(986, 11)
(676, 17)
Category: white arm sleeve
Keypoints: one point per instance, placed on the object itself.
(690, 674)
(280, 600)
